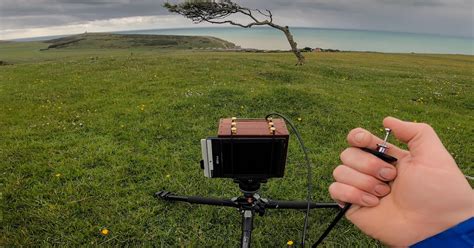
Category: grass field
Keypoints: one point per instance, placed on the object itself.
(88, 136)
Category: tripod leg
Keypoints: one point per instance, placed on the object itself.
(247, 227)
(168, 196)
(299, 204)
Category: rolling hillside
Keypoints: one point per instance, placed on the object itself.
(118, 41)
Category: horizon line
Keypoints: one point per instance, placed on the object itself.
(231, 27)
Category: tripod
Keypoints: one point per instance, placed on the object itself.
(249, 204)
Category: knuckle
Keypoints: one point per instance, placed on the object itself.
(342, 155)
(345, 154)
(334, 173)
(369, 185)
(350, 194)
(424, 127)
(338, 172)
(333, 189)
(372, 163)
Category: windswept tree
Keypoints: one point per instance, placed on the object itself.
(220, 12)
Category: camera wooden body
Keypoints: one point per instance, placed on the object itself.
(247, 149)
(251, 128)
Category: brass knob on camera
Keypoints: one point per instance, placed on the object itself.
(271, 125)
(233, 126)
(272, 130)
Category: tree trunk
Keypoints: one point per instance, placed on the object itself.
(294, 46)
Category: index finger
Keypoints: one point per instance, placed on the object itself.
(362, 138)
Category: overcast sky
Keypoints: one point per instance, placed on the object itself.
(30, 18)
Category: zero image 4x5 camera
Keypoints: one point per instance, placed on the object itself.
(246, 149)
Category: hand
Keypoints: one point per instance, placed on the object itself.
(428, 194)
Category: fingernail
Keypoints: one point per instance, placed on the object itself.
(382, 189)
(370, 200)
(359, 137)
(387, 173)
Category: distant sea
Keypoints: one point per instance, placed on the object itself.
(342, 39)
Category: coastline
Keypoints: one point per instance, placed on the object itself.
(267, 39)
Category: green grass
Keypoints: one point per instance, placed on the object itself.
(88, 136)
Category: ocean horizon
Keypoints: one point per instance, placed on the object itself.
(267, 38)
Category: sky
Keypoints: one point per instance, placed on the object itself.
(33, 18)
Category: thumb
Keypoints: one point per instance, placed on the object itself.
(422, 140)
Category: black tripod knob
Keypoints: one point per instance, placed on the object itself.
(387, 158)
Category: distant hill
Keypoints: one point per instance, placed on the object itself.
(123, 41)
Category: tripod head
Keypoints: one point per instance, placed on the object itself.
(249, 186)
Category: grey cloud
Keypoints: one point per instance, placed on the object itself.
(31, 13)
(448, 17)
(98, 9)
(91, 2)
(438, 16)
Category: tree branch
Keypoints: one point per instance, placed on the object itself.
(235, 24)
(218, 12)
(248, 13)
(270, 15)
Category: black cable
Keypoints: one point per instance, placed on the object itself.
(310, 177)
(341, 213)
(331, 226)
